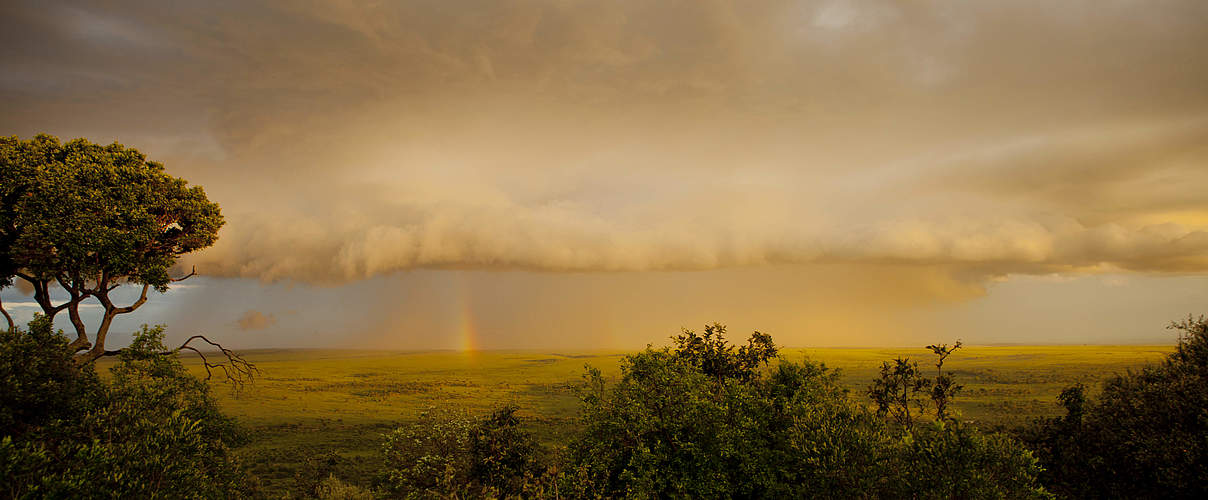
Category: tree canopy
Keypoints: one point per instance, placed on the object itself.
(89, 218)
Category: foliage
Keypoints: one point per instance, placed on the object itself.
(449, 454)
(901, 384)
(88, 218)
(153, 431)
(673, 426)
(39, 385)
(334, 489)
(898, 389)
(711, 354)
(945, 388)
(954, 460)
(1145, 436)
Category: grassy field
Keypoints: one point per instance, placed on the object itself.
(328, 408)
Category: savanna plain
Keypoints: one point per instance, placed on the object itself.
(323, 412)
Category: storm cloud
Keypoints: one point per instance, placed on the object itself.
(347, 140)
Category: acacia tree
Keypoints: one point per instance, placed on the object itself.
(90, 218)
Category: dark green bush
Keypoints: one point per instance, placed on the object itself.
(451, 455)
(1146, 436)
(40, 385)
(706, 420)
(153, 431)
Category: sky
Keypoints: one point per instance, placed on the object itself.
(513, 174)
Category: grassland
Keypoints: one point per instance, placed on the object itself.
(328, 408)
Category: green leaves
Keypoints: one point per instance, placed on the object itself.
(449, 454)
(705, 419)
(1146, 435)
(150, 431)
(90, 217)
(81, 209)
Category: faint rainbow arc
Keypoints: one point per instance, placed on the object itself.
(467, 330)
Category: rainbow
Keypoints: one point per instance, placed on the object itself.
(466, 330)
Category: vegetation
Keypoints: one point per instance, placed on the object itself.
(703, 419)
(1145, 436)
(707, 419)
(150, 431)
(89, 218)
(325, 423)
(450, 455)
(318, 413)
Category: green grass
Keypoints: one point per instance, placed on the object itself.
(308, 404)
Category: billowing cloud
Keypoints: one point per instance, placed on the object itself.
(255, 320)
(347, 140)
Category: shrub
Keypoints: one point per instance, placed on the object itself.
(450, 454)
(334, 489)
(703, 419)
(152, 431)
(1146, 436)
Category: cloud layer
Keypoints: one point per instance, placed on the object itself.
(347, 140)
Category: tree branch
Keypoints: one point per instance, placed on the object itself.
(78, 293)
(187, 276)
(142, 298)
(8, 318)
(237, 370)
(42, 294)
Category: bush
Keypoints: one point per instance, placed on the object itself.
(703, 419)
(334, 489)
(449, 454)
(40, 384)
(953, 460)
(1145, 437)
(152, 431)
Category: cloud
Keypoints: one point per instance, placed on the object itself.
(255, 320)
(38, 308)
(348, 140)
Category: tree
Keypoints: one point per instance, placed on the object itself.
(897, 389)
(945, 387)
(901, 383)
(89, 218)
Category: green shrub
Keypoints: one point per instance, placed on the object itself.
(706, 420)
(334, 489)
(450, 454)
(40, 384)
(153, 431)
(1146, 436)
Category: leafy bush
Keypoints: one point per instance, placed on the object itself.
(334, 489)
(703, 419)
(449, 454)
(40, 385)
(952, 460)
(1146, 436)
(153, 431)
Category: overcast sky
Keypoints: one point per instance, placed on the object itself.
(565, 174)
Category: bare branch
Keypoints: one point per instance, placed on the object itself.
(187, 276)
(237, 370)
(142, 298)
